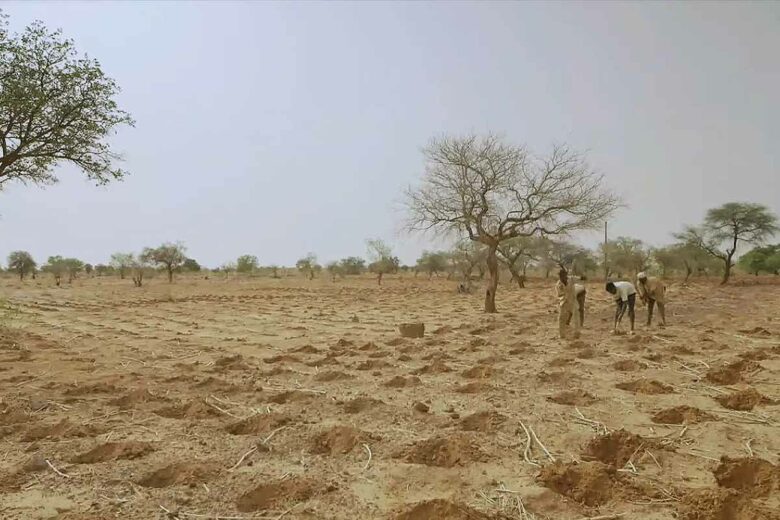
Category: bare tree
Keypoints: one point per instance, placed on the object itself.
(516, 253)
(492, 191)
(728, 225)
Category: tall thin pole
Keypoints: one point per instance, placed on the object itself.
(606, 266)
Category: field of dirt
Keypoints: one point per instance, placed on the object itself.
(290, 399)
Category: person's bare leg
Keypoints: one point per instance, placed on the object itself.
(650, 305)
(564, 315)
(581, 305)
(620, 308)
(631, 314)
(662, 312)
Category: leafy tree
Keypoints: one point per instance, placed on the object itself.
(190, 265)
(22, 262)
(308, 265)
(761, 259)
(57, 266)
(73, 266)
(169, 256)
(88, 268)
(335, 269)
(103, 270)
(382, 259)
(352, 265)
(246, 264)
(627, 255)
(492, 191)
(554, 254)
(56, 106)
(121, 262)
(433, 262)
(727, 226)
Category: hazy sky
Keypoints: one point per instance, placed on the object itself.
(278, 129)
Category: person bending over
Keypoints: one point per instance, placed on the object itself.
(624, 294)
(652, 291)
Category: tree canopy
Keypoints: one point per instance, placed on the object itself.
(246, 264)
(56, 106)
(726, 226)
(170, 256)
(22, 263)
(492, 191)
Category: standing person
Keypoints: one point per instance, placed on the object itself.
(569, 305)
(652, 291)
(625, 297)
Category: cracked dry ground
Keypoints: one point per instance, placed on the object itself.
(263, 399)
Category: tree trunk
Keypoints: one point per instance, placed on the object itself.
(311, 274)
(492, 284)
(727, 271)
(688, 272)
(170, 274)
(379, 279)
(121, 274)
(21, 275)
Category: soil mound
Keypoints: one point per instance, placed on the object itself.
(682, 415)
(645, 386)
(188, 473)
(573, 397)
(114, 451)
(226, 363)
(338, 440)
(480, 372)
(616, 448)
(720, 504)
(589, 483)
(214, 383)
(332, 375)
(94, 388)
(487, 421)
(373, 364)
(282, 358)
(445, 452)
(744, 400)
(437, 367)
(191, 410)
(307, 349)
(360, 404)
(277, 493)
(292, 396)
(134, 398)
(439, 509)
(750, 476)
(403, 382)
(63, 429)
(13, 416)
(474, 387)
(732, 373)
(629, 365)
(259, 423)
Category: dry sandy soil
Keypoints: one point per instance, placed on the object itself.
(295, 399)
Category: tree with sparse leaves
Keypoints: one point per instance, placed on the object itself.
(627, 255)
(492, 191)
(308, 265)
(22, 262)
(467, 256)
(382, 259)
(121, 262)
(169, 256)
(56, 107)
(726, 227)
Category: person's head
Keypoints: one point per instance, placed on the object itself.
(642, 277)
(563, 276)
(610, 287)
